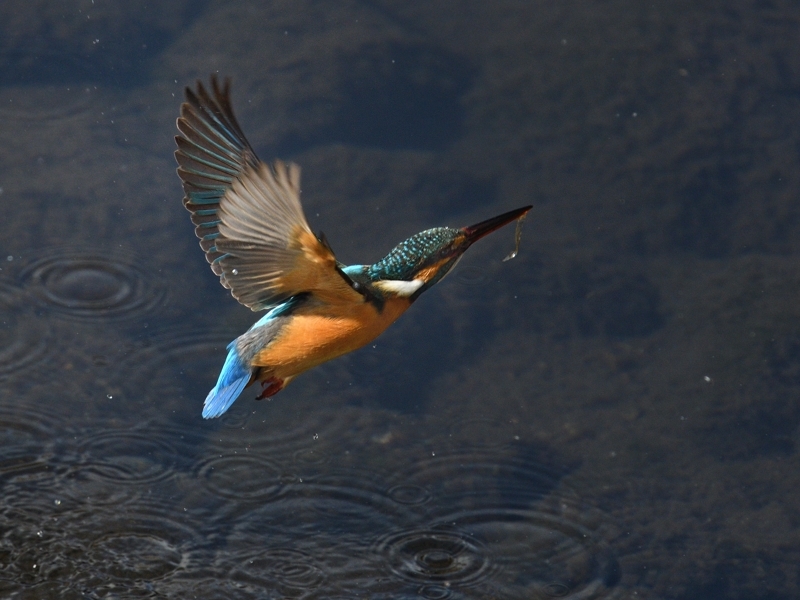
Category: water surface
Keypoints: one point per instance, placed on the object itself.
(612, 414)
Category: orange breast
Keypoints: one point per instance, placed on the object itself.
(321, 333)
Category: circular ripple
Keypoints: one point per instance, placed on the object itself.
(337, 515)
(435, 592)
(486, 475)
(135, 547)
(538, 554)
(290, 572)
(104, 549)
(27, 435)
(134, 555)
(310, 456)
(127, 457)
(90, 485)
(433, 555)
(409, 494)
(23, 336)
(351, 499)
(241, 477)
(90, 286)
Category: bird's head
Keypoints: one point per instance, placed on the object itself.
(422, 260)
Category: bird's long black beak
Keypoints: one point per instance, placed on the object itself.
(475, 232)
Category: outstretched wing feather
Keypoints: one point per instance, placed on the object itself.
(246, 213)
(269, 247)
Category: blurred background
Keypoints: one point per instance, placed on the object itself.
(613, 413)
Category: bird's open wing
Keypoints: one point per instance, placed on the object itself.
(248, 214)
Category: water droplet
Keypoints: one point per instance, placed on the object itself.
(235, 271)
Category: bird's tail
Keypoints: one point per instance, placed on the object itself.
(232, 380)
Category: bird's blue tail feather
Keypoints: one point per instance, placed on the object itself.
(232, 380)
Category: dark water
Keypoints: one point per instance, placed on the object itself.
(612, 414)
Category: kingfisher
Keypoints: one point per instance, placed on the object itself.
(251, 226)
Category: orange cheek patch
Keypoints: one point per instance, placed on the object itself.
(429, 273)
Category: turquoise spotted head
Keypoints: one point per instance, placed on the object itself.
(422, 260)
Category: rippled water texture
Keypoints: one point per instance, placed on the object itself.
(23, 336)
(90, 286)
(613, 414)
(160, 509)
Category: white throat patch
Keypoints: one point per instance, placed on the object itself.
(400, 288)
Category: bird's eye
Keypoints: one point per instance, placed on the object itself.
(356, 285)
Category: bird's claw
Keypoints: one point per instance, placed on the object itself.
(270, 387)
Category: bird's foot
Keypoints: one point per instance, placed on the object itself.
(270, 387)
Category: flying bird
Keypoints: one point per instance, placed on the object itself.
(251, 226)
